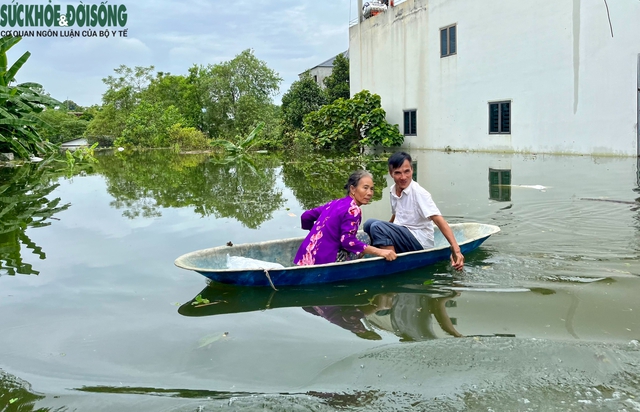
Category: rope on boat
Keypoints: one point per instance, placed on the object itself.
(266, 272)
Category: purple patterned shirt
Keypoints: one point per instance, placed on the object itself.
(332, 226)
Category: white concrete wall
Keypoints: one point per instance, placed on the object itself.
(573, 87)
(321, 73)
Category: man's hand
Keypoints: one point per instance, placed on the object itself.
(457, 259)
(388, 254)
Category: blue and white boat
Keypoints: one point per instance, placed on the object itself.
(213, 262)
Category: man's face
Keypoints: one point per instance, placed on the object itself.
(402, 175)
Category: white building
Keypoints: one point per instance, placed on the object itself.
(516, 76)
(323, 70)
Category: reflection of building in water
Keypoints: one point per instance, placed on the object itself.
(500, 184)
(414, 166)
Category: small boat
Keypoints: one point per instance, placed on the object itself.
(212, 263)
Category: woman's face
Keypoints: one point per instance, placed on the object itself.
(362, 193)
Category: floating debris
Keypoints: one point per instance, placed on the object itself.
(575, 279)
(624, 202)
(537, 187)
(209, 339)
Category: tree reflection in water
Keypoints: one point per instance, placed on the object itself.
(317, 179)
(24, 204)
(144, 182)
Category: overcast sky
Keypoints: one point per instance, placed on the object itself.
(289, 35)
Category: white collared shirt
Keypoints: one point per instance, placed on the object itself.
(413, 209)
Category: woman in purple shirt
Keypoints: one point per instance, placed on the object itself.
(334, 226)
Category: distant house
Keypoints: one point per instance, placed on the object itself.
(533, 76)
(324, 69)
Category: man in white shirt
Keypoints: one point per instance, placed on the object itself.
(413, 214)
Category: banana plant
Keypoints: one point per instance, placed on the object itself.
(244, 145)
(238, 153)
(18, 106)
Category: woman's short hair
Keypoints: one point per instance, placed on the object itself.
(355, 177)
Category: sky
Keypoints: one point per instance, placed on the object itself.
(290, 36)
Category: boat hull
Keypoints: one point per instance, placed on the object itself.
(208, 262)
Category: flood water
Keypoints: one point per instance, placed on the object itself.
(94, 316)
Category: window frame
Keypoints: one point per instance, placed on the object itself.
(499, 103)
(448, 42)
(500, 191)
(406, 112)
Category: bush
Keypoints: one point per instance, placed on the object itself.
(103, 141)
(62, 126)
(148, 125)
(187, 137)
(352, 124)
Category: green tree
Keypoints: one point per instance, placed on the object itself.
(63, 126)
(119, 101)
(105, 126)
(148, 125)
(72, 106)
(337, 84)
(19, 105)
(187, 137)
(349, 124)
(222, 101)
(124, 89)
(237, 95)
(175, 90)
(303, 97)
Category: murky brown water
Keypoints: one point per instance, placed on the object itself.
(95, 317)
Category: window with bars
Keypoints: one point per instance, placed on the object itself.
(410, 127)
(448, 40)
(500, 118)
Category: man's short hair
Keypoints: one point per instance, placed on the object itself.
(397, 159)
